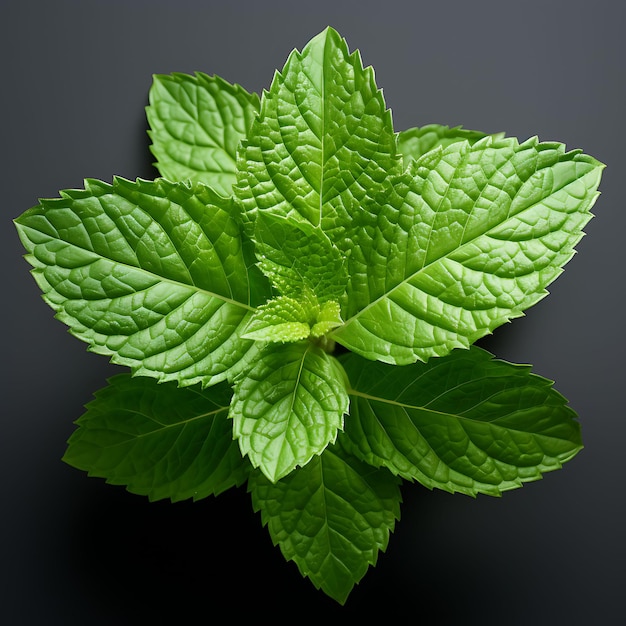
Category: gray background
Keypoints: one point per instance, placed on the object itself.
(75, 78)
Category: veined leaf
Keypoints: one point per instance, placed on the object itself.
(297, 258)
(151, 273)
(289, 319)
(159, 440)
(413, 143)
(288, 407)
(329, 317)
(464, 241)
(465, 422)
(331, 517)
(323, 139)
(196, 125)
(281, 319)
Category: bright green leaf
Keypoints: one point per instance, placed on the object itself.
(288, 407)
(329, 317)
(281, 319)
(324, 137)
(331, 517)
(159, 440)
(298, 258)
(466, 240)
(415, 142)
(465, 422)
(289, 215)
(151, 273)
(290, 319)
(196, 125)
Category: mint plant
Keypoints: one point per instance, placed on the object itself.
(297, 299)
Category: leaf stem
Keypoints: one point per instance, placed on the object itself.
(324, 342)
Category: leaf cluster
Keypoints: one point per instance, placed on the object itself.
(297, 296)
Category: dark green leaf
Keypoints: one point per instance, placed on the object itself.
(159, 440)
(465, 422)
(331, 517)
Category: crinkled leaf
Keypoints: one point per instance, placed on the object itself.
(290, 319)
(422, 245)
(159, 440)
(329, 317)
(196, 125)
(281, 319)
(464, 241)
(323, 139)
(415, 142)
(331, 517)
(288, 407)
(465, 422)
(297, 258)
(151, 273)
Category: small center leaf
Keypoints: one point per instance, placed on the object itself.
(292, 319)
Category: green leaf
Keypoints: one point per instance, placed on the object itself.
(330, 517)
(329, 317)
(288, 407)
(151, 273)
(159, 440)
(196, 125)
(462, 423)
(290, 319)
(415, 142)
(464, 241)
(298, 258)
(323, 139)
(282, 319)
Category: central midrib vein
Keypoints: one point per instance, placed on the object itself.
(323, 142)
(426, 266)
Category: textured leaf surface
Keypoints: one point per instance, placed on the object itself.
(151, 273)
(331, 517)
(299, 258)
(323, 139)
(288, 407)
(289, 319)
(196, 125)
(465, 422)
(464, 241)
(413, 143)
(159, 440)
(329, 317)
(281, 319)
